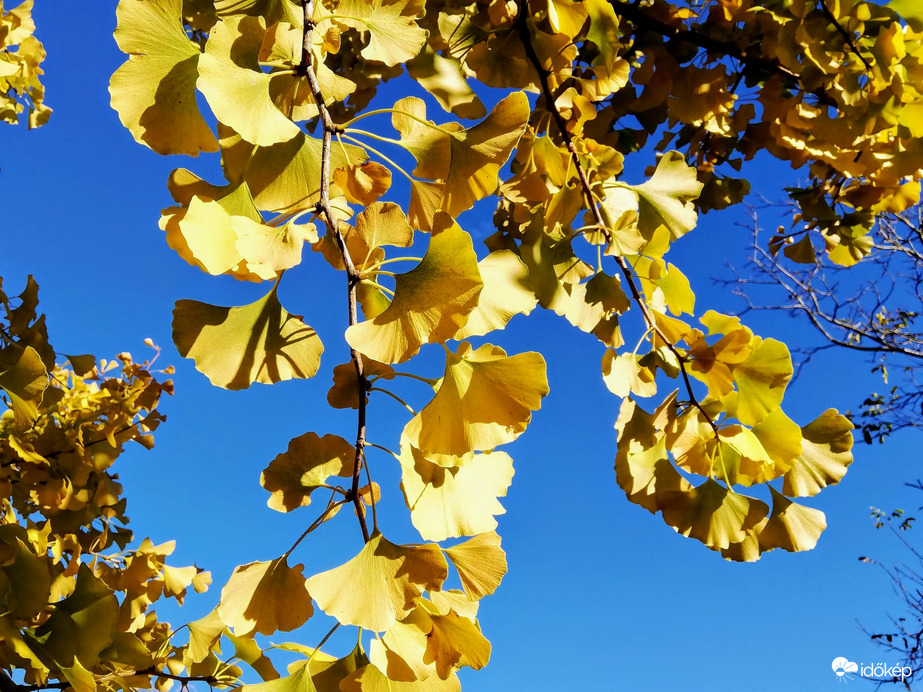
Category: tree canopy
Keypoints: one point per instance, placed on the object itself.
(541, 101)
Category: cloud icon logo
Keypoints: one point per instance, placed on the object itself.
(841, 666)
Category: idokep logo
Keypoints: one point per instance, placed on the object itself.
(842, 667)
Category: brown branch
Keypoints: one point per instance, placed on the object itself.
(352, 275)
(846, 37)
(593, 207)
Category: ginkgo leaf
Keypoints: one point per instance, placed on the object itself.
(453, 599)
(624, 375)
(370, 679)
(235, 87)
(452, 502)
(442, 77)
(791, 526)
(298, 681)
(285, 176)
(203, 637)
(712, 514)
(761, 379)
(328, 674)
(307, 464)
(249, 652)
(666, 197)
(154, 91)
(506, 293)
(345, 390)
(25, 584)
(642, 466)
(235, 347)
(394, 36)
(430, 303)
(268, 250)
(364, 183)
(377, 587)
(265, 597)
(25, 382)
(825, 454)
(481, 564)
(400, 652)
(485, 399)
(455, 641)
(467, 160)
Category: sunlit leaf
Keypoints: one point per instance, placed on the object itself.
(825, 454)
(235, 347)
(481, 564)
(485, 399)
(377, 587)
(307, 464)
(154, 91)
(265, 597)
(451, 502)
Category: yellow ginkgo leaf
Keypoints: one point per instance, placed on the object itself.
(791, 526)
(285, 176)
(204, 634)
(345, 390)
(265, 597)
(237, 346)
(299, 681)
(364, 183)
(377, 587)
(642, 467)
(327, 674)
(485, 399)
(25, 382)
(203, 236)
(506, 293)
(467, 160)
(431, 301)
(665, 199)
(712, 514)
(761, 379)
(154, 91)
(780, 437)
(825, 454)
(268, 250)
(370, 679)
(454, 641)
(452, 502)
(394, 35)
(481, 564)
(623, 375)
(453, 599)
(443, 78)
(400, 652)
(307, 464)
(235, 87)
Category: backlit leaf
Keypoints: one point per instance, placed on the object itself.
(451, 502)
(825, 454)
(154, 91)
(485, 399)
(265, 597)
(307, 464)
(235, 347)
(377, 587)
(481, 564)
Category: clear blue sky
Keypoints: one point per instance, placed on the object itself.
(601, 596)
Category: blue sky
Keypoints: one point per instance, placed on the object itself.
(601, 596)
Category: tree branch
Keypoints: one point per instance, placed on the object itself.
(352, 275)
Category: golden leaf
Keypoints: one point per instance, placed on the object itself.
(481, 564)
(825, 454)
(307, 464)
(154, 91)
(235, 347)
(377, 587)
(452, 502)
(485, 399)
(265, 597)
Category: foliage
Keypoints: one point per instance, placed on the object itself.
(291, 88)
(859, 311)
(20, 56)
(76, 600)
